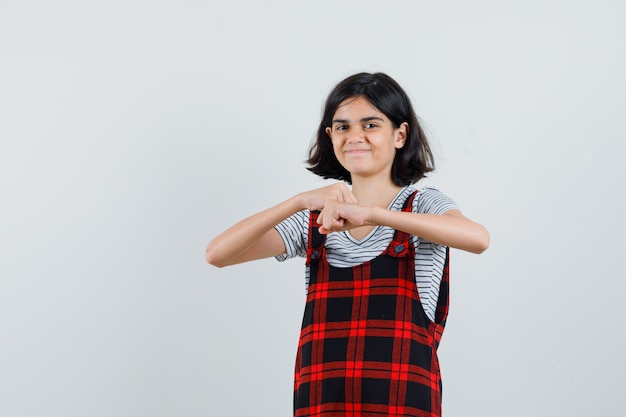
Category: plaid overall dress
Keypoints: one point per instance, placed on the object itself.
(366, 346)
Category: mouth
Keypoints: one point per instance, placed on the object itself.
(355, 151)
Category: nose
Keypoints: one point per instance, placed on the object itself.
(356, 135)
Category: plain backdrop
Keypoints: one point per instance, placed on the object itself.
(132, 132)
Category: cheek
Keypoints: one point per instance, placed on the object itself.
(337, 149)
(336, 144)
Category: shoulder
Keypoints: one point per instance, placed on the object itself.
(401, 198)
(431, 200)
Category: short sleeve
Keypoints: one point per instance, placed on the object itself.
(430, 257)
(430, 200)
(294, 231)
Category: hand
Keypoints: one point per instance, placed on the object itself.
(337, 216)
(318, 199)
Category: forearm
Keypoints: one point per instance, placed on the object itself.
(450, 229)
(255, 237)
(235, 244)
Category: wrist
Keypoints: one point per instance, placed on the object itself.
(296, 203)
(374, 216)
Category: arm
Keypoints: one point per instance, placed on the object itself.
(252, 238)
(255, 237)
(451, 229)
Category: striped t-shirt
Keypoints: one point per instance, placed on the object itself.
(342, 250)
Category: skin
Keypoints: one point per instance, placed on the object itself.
(364, 141)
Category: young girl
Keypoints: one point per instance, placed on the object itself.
(376, 258)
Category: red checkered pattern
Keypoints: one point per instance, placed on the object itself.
(367, 347)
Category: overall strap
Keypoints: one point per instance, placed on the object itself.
(401, 241)
(315, 244)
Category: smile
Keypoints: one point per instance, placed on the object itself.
(356, 151)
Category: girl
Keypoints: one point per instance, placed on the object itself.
(376, 258)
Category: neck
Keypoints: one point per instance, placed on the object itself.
(374, 192)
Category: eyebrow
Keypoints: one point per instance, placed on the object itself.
(365, 119)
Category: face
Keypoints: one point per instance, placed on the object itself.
(364, 139)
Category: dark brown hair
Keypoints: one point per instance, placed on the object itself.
(411, 162)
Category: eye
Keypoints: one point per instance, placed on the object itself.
(370, 125)
(341, 127)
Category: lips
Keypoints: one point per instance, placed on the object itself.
(355, 151)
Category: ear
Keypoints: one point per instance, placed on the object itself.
(401, 134)
(328, 130)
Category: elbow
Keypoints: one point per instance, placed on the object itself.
(482, 241)
(213, 258)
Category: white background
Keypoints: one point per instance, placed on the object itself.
(132, 132)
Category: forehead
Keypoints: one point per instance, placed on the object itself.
(356, 107)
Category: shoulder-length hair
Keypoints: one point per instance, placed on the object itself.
(411, 162)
